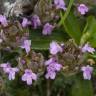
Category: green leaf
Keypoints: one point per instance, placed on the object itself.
(70, 23)
(72, 27)
(81, 87)
(41, 42)
(89, 33)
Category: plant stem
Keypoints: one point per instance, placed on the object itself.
(63, 18)
(48, 88)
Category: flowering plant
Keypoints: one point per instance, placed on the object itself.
(51, 49)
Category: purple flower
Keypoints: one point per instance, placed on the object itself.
(36, 21)
(9, 70)
(28, 76)
(47, 29)
(52, 68)
(24, 22)
(53, 65)
(87, 71)
(23, 61)
(5, 66)
(88, 48)
(60, 4)
(82, 8)
(26, 45)
(55, 48)
(3, 20)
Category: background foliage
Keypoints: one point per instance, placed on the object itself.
(81, 29)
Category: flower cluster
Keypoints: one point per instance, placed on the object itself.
(35, 22)
(52, 65)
